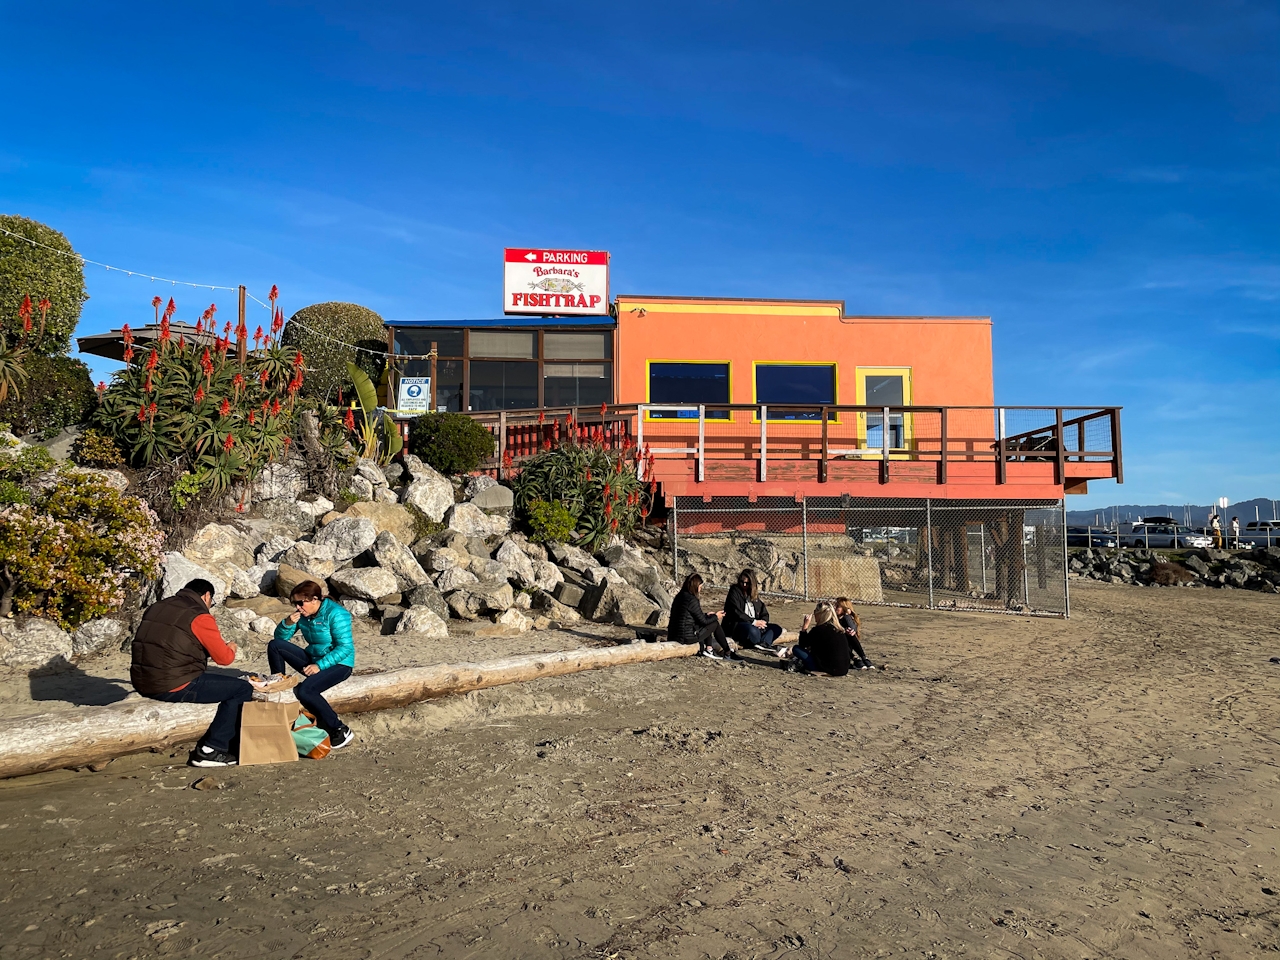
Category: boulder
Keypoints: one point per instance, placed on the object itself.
(477, 484)
(615, 601)
(514, 621)
(260, 578)
(298, 517)
(1196, 566)
(455, 578)
(479, 598)
(428, 491)
(222, 548)
(486, 569)
(98, 635)
(114, 478)
(272, 607)
(620, 552)
(357, 608)
(364, 583)
(386, 495)
(429, 596)
(477, 547)
(394, 556)
(278, 481)
(423, 621)
(546, 575)
(534, 551)
(554, 610)
(360, 489)
(178, 571)
(571, 557)
(370, 471)
(263, 626)
(393, 473)
(348, 536)
(288, 577)
(315, 559)
(386, 518)
(522, 601)
(517, 562)
(272, 549)
(494, 498)
(34, 643)
(570, 594)
(440, 559)
(471, 521)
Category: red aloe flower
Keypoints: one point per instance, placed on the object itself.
(155, 302)
(226, 330)
(253, 416)
(287, 441)
(546, 444)
(277, 322)
(170, 309)
(228, 443)
(274, 295)
(182, 344)
(142, 413)
(542, 416)
(265, 407)
(606, 491)
(604, 408)
(225, 407)
(152, 410)
(275, 407)
(617, 466)
(164, 330)
(153, 361)
(199, 394)
(297, 360)
(101, 387)
(126, 335)
(349, 421)
(24, 313)
(258, 336)
(614, 524)
(507, 459)
(147, 386)
(238, 382)
(213, 309)
(588, 475)
(206, 363)
(128, 354)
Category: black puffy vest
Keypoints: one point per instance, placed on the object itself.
(166, 653)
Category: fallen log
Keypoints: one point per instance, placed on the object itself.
(52, 741)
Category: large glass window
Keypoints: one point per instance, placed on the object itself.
(782, 383)
(503, 385)
(418, 340)
(885, 390)
(577, 346)
(689, 383)
(576, 384)
(517, 344)
(448, 385)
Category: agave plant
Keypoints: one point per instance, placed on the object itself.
(13, 372)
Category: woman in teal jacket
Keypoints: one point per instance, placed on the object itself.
(328, 659)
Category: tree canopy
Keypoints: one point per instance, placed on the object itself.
(316, 331)
(42, 274)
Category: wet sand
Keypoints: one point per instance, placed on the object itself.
(1009, 787)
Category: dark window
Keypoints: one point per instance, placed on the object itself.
(576, 346)
(577, 384)
(448, 385)
(517, 344)
(418, 340)
(799, 383)
(689, 383)
(503, 385)
(884, 391)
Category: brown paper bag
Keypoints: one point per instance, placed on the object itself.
(265, 732)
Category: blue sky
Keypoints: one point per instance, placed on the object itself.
(1099, 177)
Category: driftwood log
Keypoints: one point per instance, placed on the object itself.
(52, 741)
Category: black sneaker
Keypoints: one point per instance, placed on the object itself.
(203, 756)
(341, 737)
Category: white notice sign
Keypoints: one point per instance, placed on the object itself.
(556, 282)
(415, 395)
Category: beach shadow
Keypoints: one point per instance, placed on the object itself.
(73, 685)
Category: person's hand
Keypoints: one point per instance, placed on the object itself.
(294, 617)
(808, 617)
(310, 669)
(719, 614)
(760, 623)
(235, 650)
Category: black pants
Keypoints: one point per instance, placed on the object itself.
(227, 692)
(712, 635)
(308, 692)
(856, 647)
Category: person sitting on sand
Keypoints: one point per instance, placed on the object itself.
(824, 646)
(171, 652)
(328, 659)
(852, 626)
(746, 618)
(690, 624)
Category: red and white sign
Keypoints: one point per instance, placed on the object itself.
(556, 282)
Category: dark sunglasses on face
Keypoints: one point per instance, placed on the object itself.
(301, 603)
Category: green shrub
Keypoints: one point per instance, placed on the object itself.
(314, 330)
(184, 489)
(59, 393)
(551, 522)
(450, 442)
(23, 464)
(66, 554)
(93, 449)
(595, 485)
(41, 274)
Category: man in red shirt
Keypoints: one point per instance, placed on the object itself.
(171, 652)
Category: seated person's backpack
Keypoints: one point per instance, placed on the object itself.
(311, 741)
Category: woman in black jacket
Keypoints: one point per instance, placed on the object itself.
(824, 646)
(746, 618)
(689, 624)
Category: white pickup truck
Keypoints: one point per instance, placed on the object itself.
(1261, 533)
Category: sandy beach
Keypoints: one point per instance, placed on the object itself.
(1009, 787)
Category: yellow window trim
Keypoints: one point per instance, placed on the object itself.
(727, 364)
(835, 382)
(908, 420)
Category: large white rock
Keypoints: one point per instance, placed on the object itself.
(477, 484)
(348, 536)
(386, 517)
(394, 556)
(517, 562)
(470, 521)
(361, 488)
(494, 498)
(98, 635)
(178, 571)
(454, 578)
(314, 559)
(428, 491)
(258, 579)
(546, 575)
(440, 559)
(34, 643)
(471, 601)
(422, 621)
(514, 621)
(487, 569)
(278, 481)
(357, 608)
(571, 557)
(364, 583)
(620, 552)
(370, 471)
(263, 626)
(222, 548)
(271, 550)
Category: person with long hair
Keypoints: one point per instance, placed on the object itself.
(851, 623)
(327, 660)
(823, 646)
(746, 618)
(690, 624)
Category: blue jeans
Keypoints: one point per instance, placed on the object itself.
(308, 692)
(227, 692)
(749, 635)
(804, 658)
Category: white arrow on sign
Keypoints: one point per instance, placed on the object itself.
(531, 256)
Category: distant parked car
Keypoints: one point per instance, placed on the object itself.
(1261, 533)
(1167, 535)
(1092, 537)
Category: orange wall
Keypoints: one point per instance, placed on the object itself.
(949, 357)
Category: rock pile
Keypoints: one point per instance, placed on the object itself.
(1259, 570)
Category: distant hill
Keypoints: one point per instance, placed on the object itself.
(1129, 512)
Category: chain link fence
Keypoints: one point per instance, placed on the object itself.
(997, 555)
